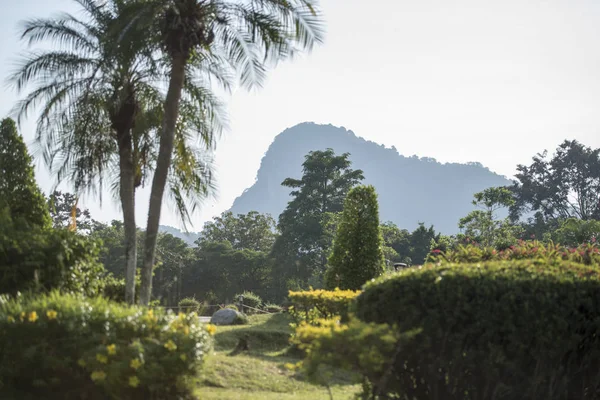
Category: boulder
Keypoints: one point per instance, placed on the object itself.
(227, 316)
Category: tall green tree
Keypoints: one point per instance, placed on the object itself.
(484, 226)
(565, 185)
(357, 254)
(101, 111)
(307, 223)
(20, 195)
(253, 231)
(205, 36)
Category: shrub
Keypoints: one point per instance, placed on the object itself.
(520, 330)
(189, 305)
(251, 300)
(49, 259)
(588, 254)
(361, 347)
(95, 349)
(357, 254)
(232, 306)
(114, 288)
(272, 308)
(312, 305)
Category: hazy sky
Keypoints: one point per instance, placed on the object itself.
(463, 80)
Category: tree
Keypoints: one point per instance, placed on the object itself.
(305, 240)
(20, 195)
(62, 205)
(253, 231)
(483, 226)
(420, 242)
(357, 254)
(215, 36)
(567, 185)
(573, 232)
(396, 243)
(101, 111)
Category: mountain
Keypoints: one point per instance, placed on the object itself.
(410, 189)
(189, 237)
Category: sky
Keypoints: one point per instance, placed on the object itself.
(462, 80)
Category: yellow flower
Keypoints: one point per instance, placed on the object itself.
(211, 329)
(170, 346)
(186, 330)
(81, 362)
(51, 314)
(32, 316)
(111, 349)
(22, 316)
(101, 358)
(183, 357)
(98, 376)
(10, 318)
(135, 363)
(134, 381)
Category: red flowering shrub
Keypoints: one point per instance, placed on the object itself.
(588, 254)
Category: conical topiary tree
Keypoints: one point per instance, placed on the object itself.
(20, 195)
(357, 254)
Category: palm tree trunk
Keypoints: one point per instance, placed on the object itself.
(161, 173)
(127, 194)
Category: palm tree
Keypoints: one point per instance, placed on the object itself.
(244, 35)
(101, 112)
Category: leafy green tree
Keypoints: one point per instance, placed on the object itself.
(483, 226)
(253, 231)
(573, 232)
(217, 268)
(20, 195)
(308, 222)
(214, 37)
(396, 243)
(567, 185)
(357, 254)
(62, 205)
(102, 111)
(420, 242)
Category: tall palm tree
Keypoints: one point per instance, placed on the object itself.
(101, 111)
(247, 35)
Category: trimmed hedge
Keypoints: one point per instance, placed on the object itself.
(312, 305)
(95, 349)
(189, 305)
(513, 330)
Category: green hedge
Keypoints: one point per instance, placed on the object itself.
(512, 330)
(68, 347)
(314, 305)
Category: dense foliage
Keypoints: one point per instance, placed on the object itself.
(94, 349)
(251, 300)
(523, 329)
(20, 195)
(588, 254)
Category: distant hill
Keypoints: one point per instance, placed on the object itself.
(189, 237)
(410, 189)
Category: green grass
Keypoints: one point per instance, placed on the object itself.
(260, 372)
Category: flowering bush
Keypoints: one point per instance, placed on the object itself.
(94, 349)
(588, 254)
(312, 305)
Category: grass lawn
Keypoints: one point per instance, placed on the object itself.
(260, 372)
